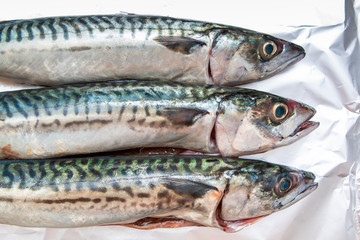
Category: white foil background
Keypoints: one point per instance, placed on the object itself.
(328, 78)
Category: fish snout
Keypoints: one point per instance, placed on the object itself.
(309, 179)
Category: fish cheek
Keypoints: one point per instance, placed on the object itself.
(247, 57)
(249, 51)
(261, 202)
(237, 70)
(246, 201)
(251, 137)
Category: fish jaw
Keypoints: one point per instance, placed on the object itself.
(307, 185)
(301, 131)
(291, 54)
(298, 125)
(236, 58)
(254, 132)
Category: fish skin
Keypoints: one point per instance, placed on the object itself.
(125, 190)
(62, 50)
(110, 116)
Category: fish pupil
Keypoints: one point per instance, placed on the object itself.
(269, 48)
(280, 111)
(285, 185)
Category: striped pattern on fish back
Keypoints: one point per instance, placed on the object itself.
(65, 28)
(99, 97)
(100, 173)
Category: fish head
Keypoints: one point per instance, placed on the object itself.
(260, 189)
(260, 122)
(250, 56)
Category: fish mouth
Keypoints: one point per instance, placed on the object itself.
(306, 191)
(303, 125)
(309, 187)
(295, 59)
(291, 61)
(286, 64)
(304, 128)
(312, 187)
(293, 49)
(309, 178)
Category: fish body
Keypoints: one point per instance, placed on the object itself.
(147, 191)
(99, 117)
(61, 50)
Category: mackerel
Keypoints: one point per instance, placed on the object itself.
(60, 50)
(109, 116)
(147, 191)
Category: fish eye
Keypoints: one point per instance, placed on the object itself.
(268, 50)
(280, 111)
(284, 184)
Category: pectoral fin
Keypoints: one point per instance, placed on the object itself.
(183, 116)
(184, 45)
(186, 187)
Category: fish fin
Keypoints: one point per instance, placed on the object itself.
(125, 13)
(184, 45)
(183, 116)
(166, 222)
(187, 187)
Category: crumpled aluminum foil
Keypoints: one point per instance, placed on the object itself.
(328, 78)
